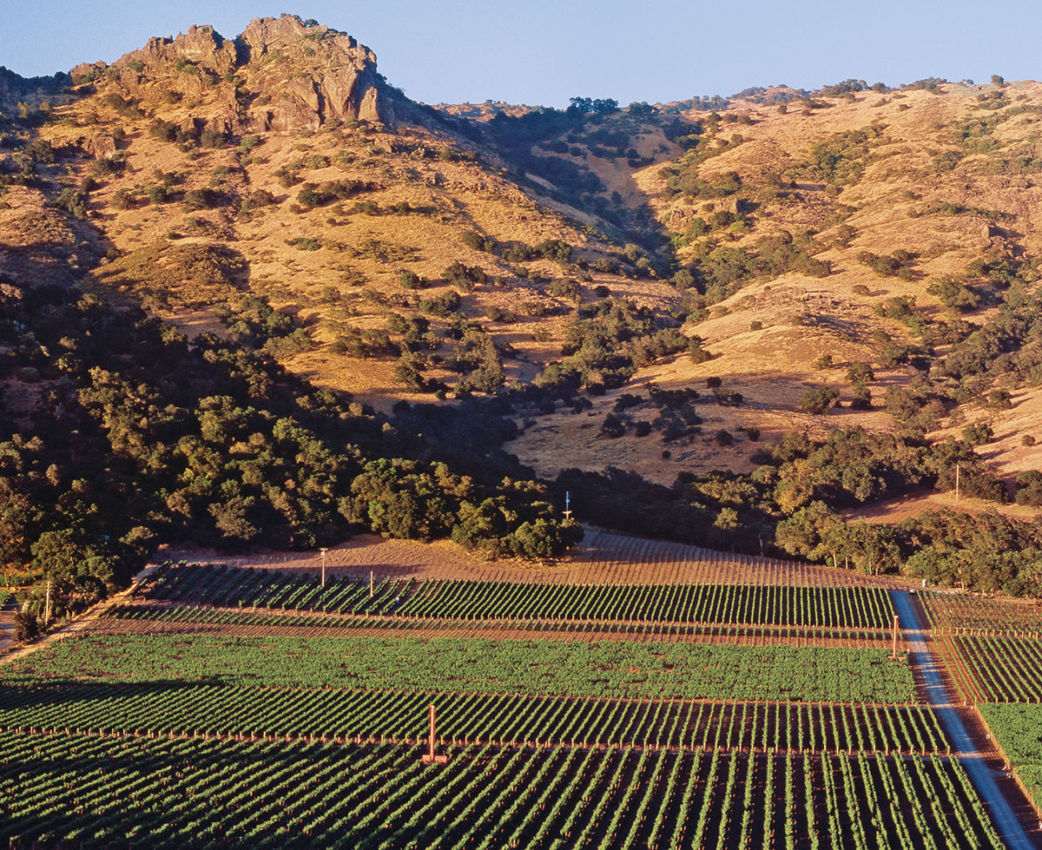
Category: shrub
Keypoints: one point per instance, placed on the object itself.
(860, 372)
(465, 277)
(862, 398)
(312, 195)
(999, 399)
(410, 280)
(954, 294)
(898, 264)
(73, 202)
(200, 199)
(472, 240)
(978, 434)
(1029, 488)
(696, 354)
(612, 426)
(565, 287)
(124, 199)
(441, 305)
(553, 249)
(819, 401)
(26, 627)
(408, 372)
(498, 314)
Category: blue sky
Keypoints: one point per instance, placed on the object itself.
(545, 51)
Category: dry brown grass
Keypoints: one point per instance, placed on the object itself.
(602, 558)
(448, 198)
(765, 338)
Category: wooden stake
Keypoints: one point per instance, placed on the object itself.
(431, 757)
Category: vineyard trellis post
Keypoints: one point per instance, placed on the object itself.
(431, 757)
(323, 550)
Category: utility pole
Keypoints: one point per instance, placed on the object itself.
(567, 505)
(47, 605)
(956, 481)
(370, 584)
(897, 625)
(323, 550)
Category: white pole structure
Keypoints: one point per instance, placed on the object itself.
(370, 584)
(323, 550)
(897, 625)
(47, 605)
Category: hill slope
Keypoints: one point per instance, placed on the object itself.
(770, 309)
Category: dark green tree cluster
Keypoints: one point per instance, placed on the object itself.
(791, 503)
(313, 195)
(606, 344)
(839, 160)
(519, 252)
(253, 323)
(718, 271)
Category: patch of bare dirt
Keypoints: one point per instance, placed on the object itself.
(602, 558)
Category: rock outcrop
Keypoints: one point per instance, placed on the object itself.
(288, 75)
(334, 79)
(201, 47)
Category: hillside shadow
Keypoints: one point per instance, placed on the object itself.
(45, 263)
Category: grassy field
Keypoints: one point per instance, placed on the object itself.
(616, 669)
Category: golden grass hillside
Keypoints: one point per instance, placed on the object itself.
(203, 197)
(947, 174)
(406, 250)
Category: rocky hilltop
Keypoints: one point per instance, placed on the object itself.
(333, 77)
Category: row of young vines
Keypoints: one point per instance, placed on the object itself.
(94, 791)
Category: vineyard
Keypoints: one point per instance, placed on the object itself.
(765, 605)
(95, 790)
(227, 706)
(604, 558)
(340, 715)
(992, 652)
(457, 665)
(143, 618)
(962, 613)
(1002, 669)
